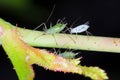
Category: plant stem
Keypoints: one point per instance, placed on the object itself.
(80, 42)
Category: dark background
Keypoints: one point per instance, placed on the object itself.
(104, 18)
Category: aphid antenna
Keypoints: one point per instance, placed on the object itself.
(74, 22)
(62, 21)
(51, 13)
(44, 23)
(87, 23)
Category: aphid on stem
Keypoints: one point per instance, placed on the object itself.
(60, 25)
(80, 28)
(68, 54)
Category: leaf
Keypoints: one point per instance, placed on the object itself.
(17, 53)
(94, 73)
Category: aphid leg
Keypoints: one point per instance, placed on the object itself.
(54, 51)
(57, 52)
(50, 24)
(40, 26)
(72, 39)
(45, 27)
(88, 33)
(75, 34)
(55, 39)
(69, 54)
(68, 29)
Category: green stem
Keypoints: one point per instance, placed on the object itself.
(80, 42)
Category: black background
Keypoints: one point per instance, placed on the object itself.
(104, 18)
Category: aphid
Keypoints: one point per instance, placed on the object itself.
(80, 28)
(60, 25)
(68, 54)
(53, 29)
(56, 28)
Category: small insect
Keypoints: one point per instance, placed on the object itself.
(60, 25)
(68, 54)
(56, 28)
(80, 28)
